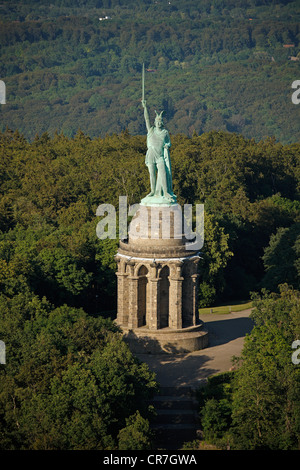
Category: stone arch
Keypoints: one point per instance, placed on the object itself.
(164, 297)
(142, 295)
(139, 268)
(142, 270)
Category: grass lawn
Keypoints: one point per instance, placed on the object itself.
(233, 307)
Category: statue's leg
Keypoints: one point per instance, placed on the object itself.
(152, 172)
(163, 177)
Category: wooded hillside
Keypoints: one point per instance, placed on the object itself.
(219, 65)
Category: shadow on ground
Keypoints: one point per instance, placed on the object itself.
(226, 335)
(179, 370)
(223, 331)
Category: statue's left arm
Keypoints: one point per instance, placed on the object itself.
(167, 141)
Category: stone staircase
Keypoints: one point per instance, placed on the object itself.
(177, 419)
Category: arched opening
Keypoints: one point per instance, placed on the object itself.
(164, 297)
(142, 296)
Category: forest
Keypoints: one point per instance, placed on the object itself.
(58, 287)
(73, 137)
(221, 65)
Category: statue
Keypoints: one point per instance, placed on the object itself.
(158, 160)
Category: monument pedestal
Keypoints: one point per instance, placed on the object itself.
(158, 285)
(166, 340)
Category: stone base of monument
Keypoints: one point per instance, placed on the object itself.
(166, 340)
(158, 276)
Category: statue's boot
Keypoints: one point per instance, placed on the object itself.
(168, 196)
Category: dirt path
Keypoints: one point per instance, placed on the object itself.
(226, 338)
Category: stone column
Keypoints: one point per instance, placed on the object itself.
(122, 299)
(153, 296)
(175, 299)
(194, 278)
(154, 320)
(195, 290)
(133, 284)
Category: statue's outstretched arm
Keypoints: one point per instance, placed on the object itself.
(146, 115)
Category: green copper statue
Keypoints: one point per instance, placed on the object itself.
(158, 160)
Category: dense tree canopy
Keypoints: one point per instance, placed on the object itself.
(58, 289)
(266, 413)
(73, 137)
(70, 381)
(256, 407)
(219, 65)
